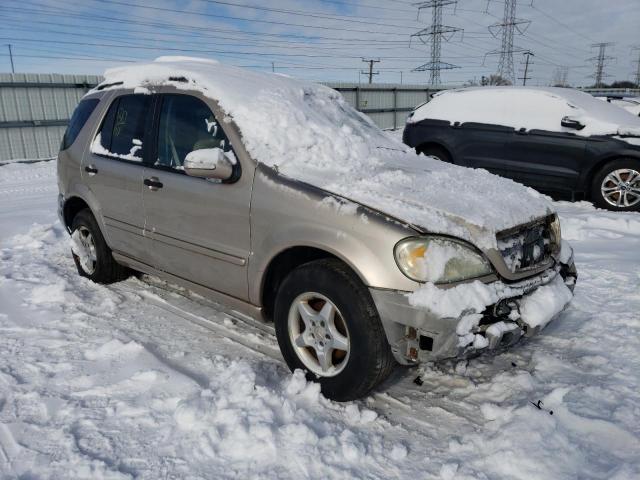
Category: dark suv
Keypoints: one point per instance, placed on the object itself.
(552, 139)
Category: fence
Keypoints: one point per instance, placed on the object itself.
(35, 108)
(34, 111)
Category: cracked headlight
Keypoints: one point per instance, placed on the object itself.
(439, 260)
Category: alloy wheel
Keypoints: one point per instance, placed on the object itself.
(85, 250)
(319, 334)
(621, 188)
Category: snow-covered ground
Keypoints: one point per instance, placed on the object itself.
(140, 379)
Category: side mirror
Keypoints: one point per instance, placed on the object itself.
(569, 122)
(209, 163)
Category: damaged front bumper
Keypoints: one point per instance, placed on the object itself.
(416, 334)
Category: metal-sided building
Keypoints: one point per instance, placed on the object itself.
(34, 111)
(35, 108)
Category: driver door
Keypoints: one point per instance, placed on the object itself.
(200, 228)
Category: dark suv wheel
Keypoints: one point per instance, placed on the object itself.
(90, 252)
(328, 326)
(616, 186)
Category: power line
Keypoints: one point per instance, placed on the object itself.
(435, 33)
(256, 20)
(190, 29)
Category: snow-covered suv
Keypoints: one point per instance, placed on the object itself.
(276, 198)
(554, 139)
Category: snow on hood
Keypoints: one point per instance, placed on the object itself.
(310, 133)
(529, 108)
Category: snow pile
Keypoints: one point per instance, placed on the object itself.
(474, 297)
(538, 308)
(529, 108)
(116, 382)
(310, 133)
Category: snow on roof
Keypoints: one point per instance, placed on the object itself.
(313, 135)
(532, 108)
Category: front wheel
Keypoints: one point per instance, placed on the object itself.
(616, 186)
(327, 324)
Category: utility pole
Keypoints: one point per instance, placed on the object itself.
(509, 25)
(524, 78)
(13, 70)
(600, 61)
(434, 35)
(371, 73)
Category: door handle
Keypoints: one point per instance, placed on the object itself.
(91, 170)
(153, 183)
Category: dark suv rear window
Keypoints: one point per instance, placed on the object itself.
(80, 116)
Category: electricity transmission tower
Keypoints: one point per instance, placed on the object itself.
(507, 28)
(370, 73)
(434, 35)
(560, 76)
(600, 61)
(637, 62)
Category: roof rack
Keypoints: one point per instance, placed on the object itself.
(102, 86)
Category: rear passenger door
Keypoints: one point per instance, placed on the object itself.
(547, 160)
(113, 171)
(200, 228)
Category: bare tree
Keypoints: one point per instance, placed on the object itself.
(495, 79)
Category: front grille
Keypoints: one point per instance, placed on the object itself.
(527, 247)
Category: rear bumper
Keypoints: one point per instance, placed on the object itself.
(416, 334)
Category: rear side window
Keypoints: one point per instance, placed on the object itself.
(122, 131)
(80, 116)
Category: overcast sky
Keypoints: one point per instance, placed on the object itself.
(317, 39)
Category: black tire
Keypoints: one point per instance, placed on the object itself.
(370, 360)
(106, 270)
(597, 196)
(435, 151)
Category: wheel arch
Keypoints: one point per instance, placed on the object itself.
(284, 263)
(431, 144)
(72, 206)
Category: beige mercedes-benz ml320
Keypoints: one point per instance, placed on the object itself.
(276, 198)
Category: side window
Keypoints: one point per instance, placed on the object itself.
(122, 130)
(186, 124)
(80, 116)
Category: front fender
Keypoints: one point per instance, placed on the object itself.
(286, 214)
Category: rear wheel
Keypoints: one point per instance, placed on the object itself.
(90, 252)
(435, 151)
(328, 326)
(616, 186)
